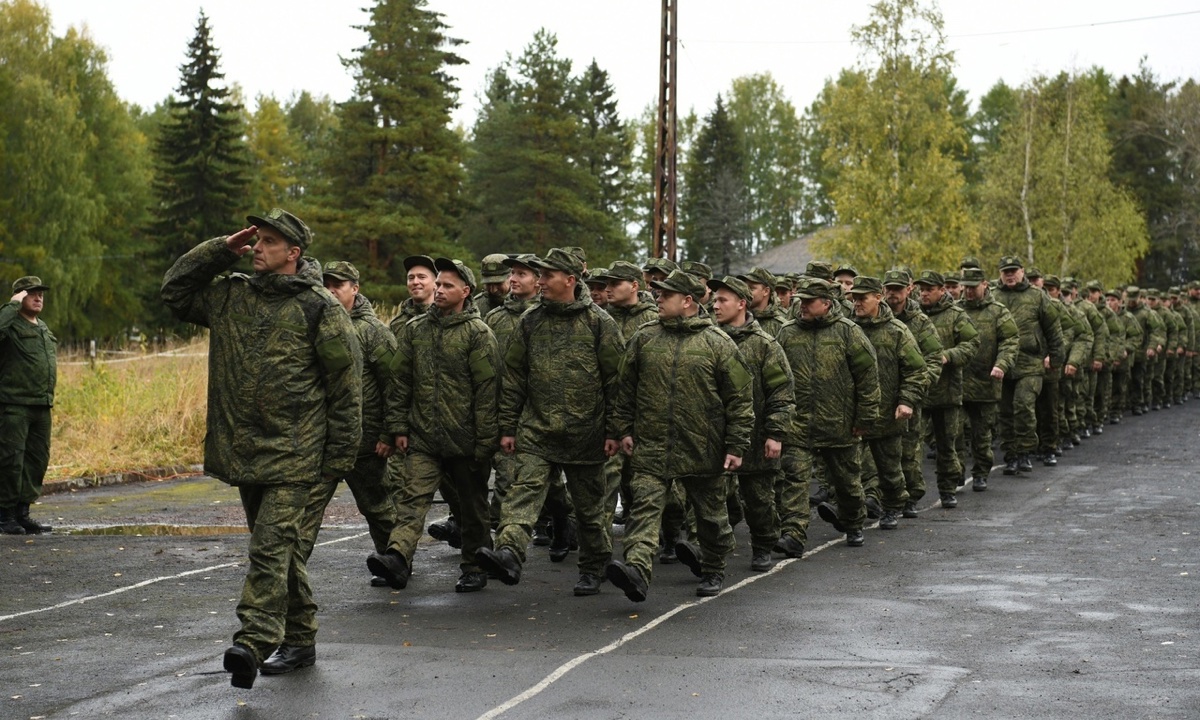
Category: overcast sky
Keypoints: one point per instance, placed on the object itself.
(279, 47)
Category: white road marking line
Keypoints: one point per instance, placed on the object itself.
(151, 581)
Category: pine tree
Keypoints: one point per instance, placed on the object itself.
(395, 175)
(715, 222)
(202, 165)
(606, 151)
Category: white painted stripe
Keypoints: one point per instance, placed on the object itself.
(575, 662)
(151, 581)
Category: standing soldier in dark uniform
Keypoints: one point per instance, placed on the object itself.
(556, 416)
(368, 480)
(1131, 345)
(495, 284)
(684, 413)
(284, 418)
(28, 374)
(442, 413)
(764, 306)
(1107, 356)
(1153, 338)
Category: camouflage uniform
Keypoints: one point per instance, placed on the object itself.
(772, 317)
(1154, 337)
(503, 320)
(1131, 345)
(1110, 354)
(284, 416)
(444, 400)
(837, 393)
(686, 398)
(930, 345)
(998, 347)
(1040, 336)
(559, 384)
(28, 375)
(960, 342)
(1078, 342)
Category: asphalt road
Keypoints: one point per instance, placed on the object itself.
(1067, 593)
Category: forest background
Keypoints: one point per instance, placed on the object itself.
(1079, 172)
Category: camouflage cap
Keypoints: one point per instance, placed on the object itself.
(1173, 291)
(596, 277)
(340, 270)
(1113, 292)
(288, 225)
(732, 284)
(699, 269)
(1033, 273)
(523, 259)
(413, 261)
(1052, 281)
(494, 269)
(845, 269)
(663, 265)
(793, 278)
(577, 252)
(561, 260)
(819, 269)
(953, 278)
(458, 268)
(784, 282)
(897, 277)
(27, 283)
(1153, 293)
(1094, 285)
(969, 261)
(1011, 262)
(622, 270)
(864, 284)
(758, 275)
(1193, 285)
(931, 277)
(973, 277)
(812, 288)
(1133, 292)
(1070, 283)
(681, 282)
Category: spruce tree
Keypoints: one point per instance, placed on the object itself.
(715, 218)
(202, 165)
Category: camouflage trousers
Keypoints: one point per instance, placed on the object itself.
(706, 495)
(368, 484)
(791, 493)
(1139, 384)
(277, 605)
(1102, 399)
(587, 486)
(884, 480)
(1051, 420)
(1068, 417)
(24, 452)
(1158, 380)
(423, 474)
(617, 474)
(1019, 415)
(1086, 397)
(396, 477)
(756, 492)
(912, 456)
(1121, 392)
(845, 477)
(947, 426)
(982, 422)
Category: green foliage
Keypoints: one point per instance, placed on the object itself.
(897, 137)
(1047, 195)
(715, 209)
(394, 177)
(274, 155)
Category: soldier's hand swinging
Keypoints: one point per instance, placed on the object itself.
(732, 463)
(627, 444)
(772, 449)
(611, 447)
(239, 242)
(402, 444)
(508, 444)
(383, 450)
(903, 412)
(997, 373)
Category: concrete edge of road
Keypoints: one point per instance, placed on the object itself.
(51, 487)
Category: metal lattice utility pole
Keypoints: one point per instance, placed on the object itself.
(664, 164)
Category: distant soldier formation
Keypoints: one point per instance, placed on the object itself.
(547, 402)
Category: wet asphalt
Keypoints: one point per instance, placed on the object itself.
(1067, 593)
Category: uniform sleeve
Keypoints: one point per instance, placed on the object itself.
(341, 363)
(1008, 340)
(627, 387)
(1081, 349)
(188, 288)
(778, 391)
(514, 387)
(611, 346)
(399, 387)
(735, 384)
(1052, 331)
(864, 368)
(9, 312)
(377, 360)
(931, 349)
(486, 367)
(913, 377)
(966, 340)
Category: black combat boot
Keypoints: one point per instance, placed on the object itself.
(8, 522)
(31, 526)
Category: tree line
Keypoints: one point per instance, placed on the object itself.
(1078, 172)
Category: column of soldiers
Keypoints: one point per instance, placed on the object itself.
(657, 397)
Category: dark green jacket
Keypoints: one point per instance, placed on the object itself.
(1079, 348)
(773, 398)
(999, 341)
(503, 320)
(408, 311)
(837, 381)
(772, 318)
(1041, 333)
(686, 398)
(1154, 330)
(926, 335)
(284, 369)
(560, 378)
(28, 365)
(902, 376)
(1133, 338)
(445, 391)
(1114, 346)
(378, 348)
(1099, 331)
(632, 317)
(960, 342)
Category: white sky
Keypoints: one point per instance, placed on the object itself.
(282, 46)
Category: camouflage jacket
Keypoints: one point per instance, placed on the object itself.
(1133, 338)
(773, 398)
(503, 320)
(378, 347)
(444, 391)
(1188, 313)
(902, 376)
(1079, 347)
(28, 361)
(1154, 331)
(960, 342)
(284, 369)
(998, 343)
(686, 398)
(926, 335)
(486, 303)
(1040, 331)
(837, 381)
(771, 318)
(631, 317)
(1114, 346)
(1175, 328)
(560, 377)
(1099, 328)
(408, 311)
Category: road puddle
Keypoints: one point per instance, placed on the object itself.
(160, 530)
